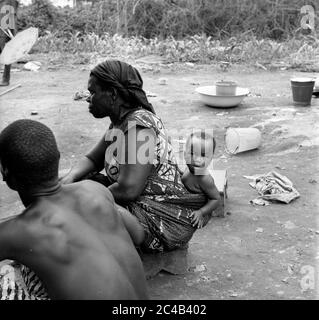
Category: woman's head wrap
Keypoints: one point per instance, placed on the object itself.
(126, 79)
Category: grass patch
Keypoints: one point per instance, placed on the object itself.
(297, 52)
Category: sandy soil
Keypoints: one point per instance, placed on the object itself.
(228, 259)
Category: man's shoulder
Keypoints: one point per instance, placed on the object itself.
(8, 223)
(93, 196)
(17, 231)
(16, 220)
(91, 188)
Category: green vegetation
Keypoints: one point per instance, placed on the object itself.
(236, 31)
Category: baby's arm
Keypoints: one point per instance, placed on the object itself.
(209, 189)
(201, 217)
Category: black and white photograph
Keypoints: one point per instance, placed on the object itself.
(159, 150)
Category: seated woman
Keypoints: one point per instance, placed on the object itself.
(151, 190)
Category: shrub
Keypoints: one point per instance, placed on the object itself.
(41, 14)
(275, 19)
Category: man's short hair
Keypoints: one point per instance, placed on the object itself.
(29, 151)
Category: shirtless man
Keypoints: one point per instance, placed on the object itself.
(71, 236)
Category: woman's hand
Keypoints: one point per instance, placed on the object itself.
(78, 172)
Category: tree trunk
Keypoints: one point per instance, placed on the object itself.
(118, 26)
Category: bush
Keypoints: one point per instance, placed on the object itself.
(163, 18)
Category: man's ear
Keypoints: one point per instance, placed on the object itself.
(11, 181)
(5, 174)
(4, 171)
(8, 178)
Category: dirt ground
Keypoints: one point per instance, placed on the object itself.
(254, 252)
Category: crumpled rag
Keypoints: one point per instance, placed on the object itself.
(272, 187)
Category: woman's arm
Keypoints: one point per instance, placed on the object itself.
(93, 161)
(133, 174)
(131, 182)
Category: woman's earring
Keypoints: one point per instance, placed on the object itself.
(114, 93)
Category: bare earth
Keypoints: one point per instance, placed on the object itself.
(228, 259)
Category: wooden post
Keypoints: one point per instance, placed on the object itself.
(220, 179)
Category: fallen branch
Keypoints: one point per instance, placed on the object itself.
(10, 89)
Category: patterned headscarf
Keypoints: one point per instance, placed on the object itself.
(126, 79)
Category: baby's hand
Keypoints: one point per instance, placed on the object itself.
(198, 219)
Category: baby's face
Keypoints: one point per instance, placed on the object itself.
(198, 153)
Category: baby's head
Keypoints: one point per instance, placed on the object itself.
(199, 151)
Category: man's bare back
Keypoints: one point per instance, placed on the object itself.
(78, 244)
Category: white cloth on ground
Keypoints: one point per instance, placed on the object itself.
(272, 187)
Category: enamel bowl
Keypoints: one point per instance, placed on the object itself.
(208, 96)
